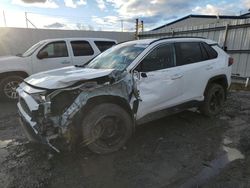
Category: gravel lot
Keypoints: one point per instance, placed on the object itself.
(184, 150)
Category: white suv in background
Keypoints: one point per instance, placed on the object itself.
(99, 104)
(46, 55)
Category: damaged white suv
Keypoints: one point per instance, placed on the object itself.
(100, 103)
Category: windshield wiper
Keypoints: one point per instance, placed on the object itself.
(84, 65)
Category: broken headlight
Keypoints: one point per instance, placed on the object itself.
(39, 97)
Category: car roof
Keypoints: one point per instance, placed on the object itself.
(80, 38)
(173, 39)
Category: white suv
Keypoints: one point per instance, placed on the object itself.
(46, 55)
(129, 84)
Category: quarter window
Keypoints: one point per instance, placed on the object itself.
(104, 45)
(55, 49)
(161, 57)
(81, 48)
(212, 54)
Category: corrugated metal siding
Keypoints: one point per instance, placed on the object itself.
(238, 38)
(17, 40)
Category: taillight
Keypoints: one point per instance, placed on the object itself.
(230, 61)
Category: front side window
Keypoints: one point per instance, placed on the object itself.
(55, 49)
(118, 57)
(104, 45)
(81, 48)
(188, 52)
(162, 57)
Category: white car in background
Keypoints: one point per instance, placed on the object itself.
(46, 55)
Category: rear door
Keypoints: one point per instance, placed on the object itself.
(57, 56)
(160, 82)
(197, 67)
(82, 51)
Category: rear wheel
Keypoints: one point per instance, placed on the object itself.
(106, 128)
(8, 87)
(214, 100)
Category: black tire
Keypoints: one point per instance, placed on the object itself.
(215, 96)
(8, 87)
(106, 128)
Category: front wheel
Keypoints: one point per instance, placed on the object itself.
(106, 128)
(215, 96)
(8, 87)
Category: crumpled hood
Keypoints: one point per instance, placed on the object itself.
(64, 77)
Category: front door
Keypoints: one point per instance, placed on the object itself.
(159, 82)
(53, 55)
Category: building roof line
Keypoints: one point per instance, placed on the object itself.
(201, 16)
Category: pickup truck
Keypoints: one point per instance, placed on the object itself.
(46, 55)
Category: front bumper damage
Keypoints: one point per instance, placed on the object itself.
(36, 117)
(27, 109)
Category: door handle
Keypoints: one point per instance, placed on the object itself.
(65, 62)
(176, 76)
(209, 67)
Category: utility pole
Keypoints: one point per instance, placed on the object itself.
(4, 19)
(26, 19)
(136, 28)
(142, 26)
(122, 25)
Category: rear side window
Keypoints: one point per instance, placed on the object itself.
(188, 52)
(104, 45)
(211, 53)
(81, 48)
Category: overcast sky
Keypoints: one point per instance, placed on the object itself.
(107, 14)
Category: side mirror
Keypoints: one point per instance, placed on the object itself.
(42, 55)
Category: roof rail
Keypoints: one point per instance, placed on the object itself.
(176, 38)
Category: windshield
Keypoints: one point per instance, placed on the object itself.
(118, 57)
(32, 49)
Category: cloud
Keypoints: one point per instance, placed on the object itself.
(81, 2)
(17, 19)
(137, 8)
(101, 4)
(55, 25)
(208, 9)
(246, 4)
(36, 3)
(74, 4)
(107, 23)
(155, 12)
(152, 12)
(219, 9)
(80, 26)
